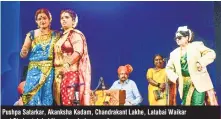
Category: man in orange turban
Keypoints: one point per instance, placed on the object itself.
(133, 96)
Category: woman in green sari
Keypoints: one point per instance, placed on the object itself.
(187, 67)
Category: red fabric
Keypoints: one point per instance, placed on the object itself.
(65, 48)
(21, 87)
(128, 68)
(84, 73)
(67, 92)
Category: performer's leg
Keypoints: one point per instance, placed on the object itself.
(198, 98)
(65, 91)
(46, 95)
(68, 89)
(186, 87)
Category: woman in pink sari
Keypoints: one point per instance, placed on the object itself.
(72, 64)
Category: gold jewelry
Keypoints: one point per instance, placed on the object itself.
(44, 40)
(25, 47)
(22, 52)
(59, 76)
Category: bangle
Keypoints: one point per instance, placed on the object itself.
(21, 54)
(24, 48)
(158, 85)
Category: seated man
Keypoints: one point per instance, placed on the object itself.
(133, 96)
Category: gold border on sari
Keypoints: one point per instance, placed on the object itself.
(45, 67)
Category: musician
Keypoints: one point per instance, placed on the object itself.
(133, 96)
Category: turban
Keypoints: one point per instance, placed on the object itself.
(128, 68)
(21, 87)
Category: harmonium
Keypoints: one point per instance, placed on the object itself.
(107, 97)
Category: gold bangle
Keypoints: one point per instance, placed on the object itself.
(22, 53)
(24, 47)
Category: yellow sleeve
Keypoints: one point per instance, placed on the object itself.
(149, 74)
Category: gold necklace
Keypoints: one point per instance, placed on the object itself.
(46, 32)
(45, 41)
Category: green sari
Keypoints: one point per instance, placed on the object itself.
(190, 95)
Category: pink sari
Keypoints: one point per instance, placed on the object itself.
(84, 73)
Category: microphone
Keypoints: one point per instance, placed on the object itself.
(77, 97)
(102, 83)
(76, 100)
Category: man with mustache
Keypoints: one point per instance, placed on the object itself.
(133, 96)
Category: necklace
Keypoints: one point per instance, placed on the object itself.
(45, 41)
(44, 32)
(45, 37)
